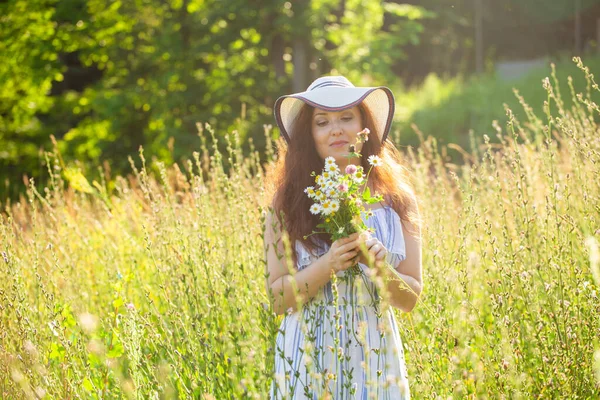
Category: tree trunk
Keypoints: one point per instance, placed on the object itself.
(277, 49)
(301, 60)
(478, 36)
(598, 35)
(577, 27)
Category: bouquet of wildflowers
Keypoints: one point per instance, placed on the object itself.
(340, 196)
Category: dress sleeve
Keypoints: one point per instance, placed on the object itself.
(305, 258)
(395, 245)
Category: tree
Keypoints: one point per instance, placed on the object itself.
(106, 77)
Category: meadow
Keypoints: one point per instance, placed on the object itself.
(152, 285)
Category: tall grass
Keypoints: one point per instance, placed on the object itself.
(153, 285)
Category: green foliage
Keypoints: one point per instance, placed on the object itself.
(358, 46)
(29, 50)
(448, 109)
(106, 77)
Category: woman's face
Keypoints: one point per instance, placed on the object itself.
(335, 131)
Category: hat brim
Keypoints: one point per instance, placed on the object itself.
(379, 100)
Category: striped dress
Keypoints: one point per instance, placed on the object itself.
(341, 342)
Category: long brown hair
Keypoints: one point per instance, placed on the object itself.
(291, 174)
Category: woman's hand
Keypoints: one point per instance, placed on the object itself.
(343, 253)
(375, 250)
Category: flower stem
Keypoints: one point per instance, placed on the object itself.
(367, 180)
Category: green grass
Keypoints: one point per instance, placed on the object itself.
(449, 108)
(153, 286)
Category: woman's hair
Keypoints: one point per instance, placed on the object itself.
(291, 174)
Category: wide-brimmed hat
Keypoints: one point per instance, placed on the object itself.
(336, 93)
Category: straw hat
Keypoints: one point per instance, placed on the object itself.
(336, 93)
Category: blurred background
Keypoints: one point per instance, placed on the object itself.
(105, 77)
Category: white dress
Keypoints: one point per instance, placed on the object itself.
(355, 353)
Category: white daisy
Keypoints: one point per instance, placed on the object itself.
(329, 184)
(335, 205)
(359, 176)
(327, 178)
(331, 193)
(326, 207)
(320, 180)
(332, 168)
(309, 190)
(329, 161)
(375, 161)
(315, 209)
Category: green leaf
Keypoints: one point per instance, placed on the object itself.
(57, 352)
(77, 180)
(87, 385)
(118, 302)
(408, 11)
(367, 195)
(117, 348)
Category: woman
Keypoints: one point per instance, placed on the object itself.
(335, 338)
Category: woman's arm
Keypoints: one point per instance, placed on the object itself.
(309, 280)
(409, 270)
